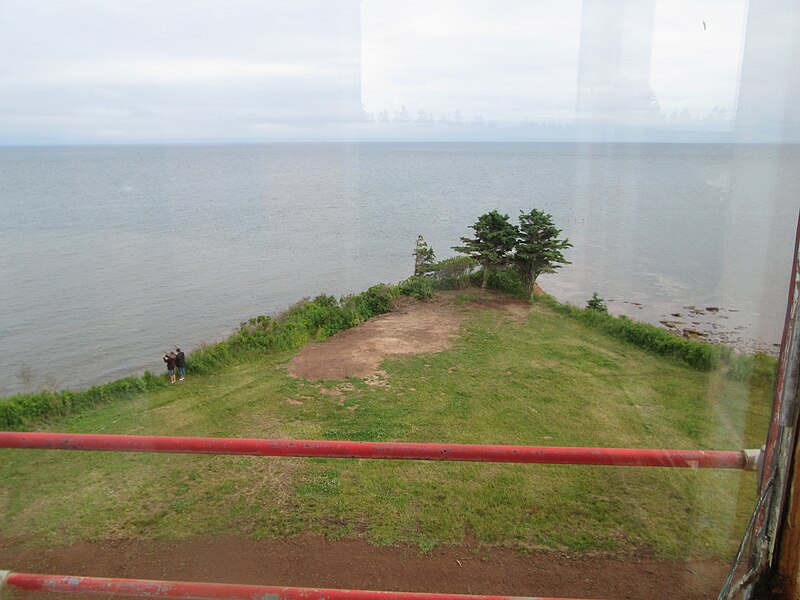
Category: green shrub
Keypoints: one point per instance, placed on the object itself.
(22, 410)
(698, 355)
(308, 319)
(740, 367)
(765, 369)
(452, 273)
(505, 281)
(318, 318)
(597, 303)
(758, 369)
(377, 300)
(417, 287)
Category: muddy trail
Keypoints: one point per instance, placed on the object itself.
(354, 564)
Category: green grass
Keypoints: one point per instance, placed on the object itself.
(549, 380)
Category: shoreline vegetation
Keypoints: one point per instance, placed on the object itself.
(519, 372)
(321, 317)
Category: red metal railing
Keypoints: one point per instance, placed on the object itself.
(742, 459)
(184, 589)
(620, 457)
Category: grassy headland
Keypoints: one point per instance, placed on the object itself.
(551, 379)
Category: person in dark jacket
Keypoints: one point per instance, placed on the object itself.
(180, 362)
(169, 358)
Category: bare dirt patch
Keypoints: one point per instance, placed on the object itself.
(511, 307)
(353, 564)
(413, 327)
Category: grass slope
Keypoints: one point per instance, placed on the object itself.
(548, 380)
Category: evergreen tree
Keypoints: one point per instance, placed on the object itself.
(493, 242)
(423, 256)
(597, 303)
(538, 249)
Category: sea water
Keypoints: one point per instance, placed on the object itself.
(110, 255)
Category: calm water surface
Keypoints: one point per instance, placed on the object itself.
(110, 255)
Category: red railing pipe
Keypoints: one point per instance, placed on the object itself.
(553, 455)
(184, 589)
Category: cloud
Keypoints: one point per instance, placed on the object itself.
(693, 67)
(167, 71)
(176, 70)
(269, 69)
(500, 62)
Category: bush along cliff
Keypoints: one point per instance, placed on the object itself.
(314, 319)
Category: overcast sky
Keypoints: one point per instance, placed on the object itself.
(97, 71)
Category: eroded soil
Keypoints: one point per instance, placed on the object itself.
(413, 327)
(316, 562)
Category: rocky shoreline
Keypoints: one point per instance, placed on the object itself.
(713, 324)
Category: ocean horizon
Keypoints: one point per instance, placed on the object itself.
(112, 254)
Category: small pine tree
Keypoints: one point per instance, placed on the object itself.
(597, 303)
(423, 256)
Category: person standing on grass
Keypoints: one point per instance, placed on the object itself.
(170, 360)
(180, 362)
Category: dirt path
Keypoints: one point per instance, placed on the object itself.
(413, 327)
(354, 564)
